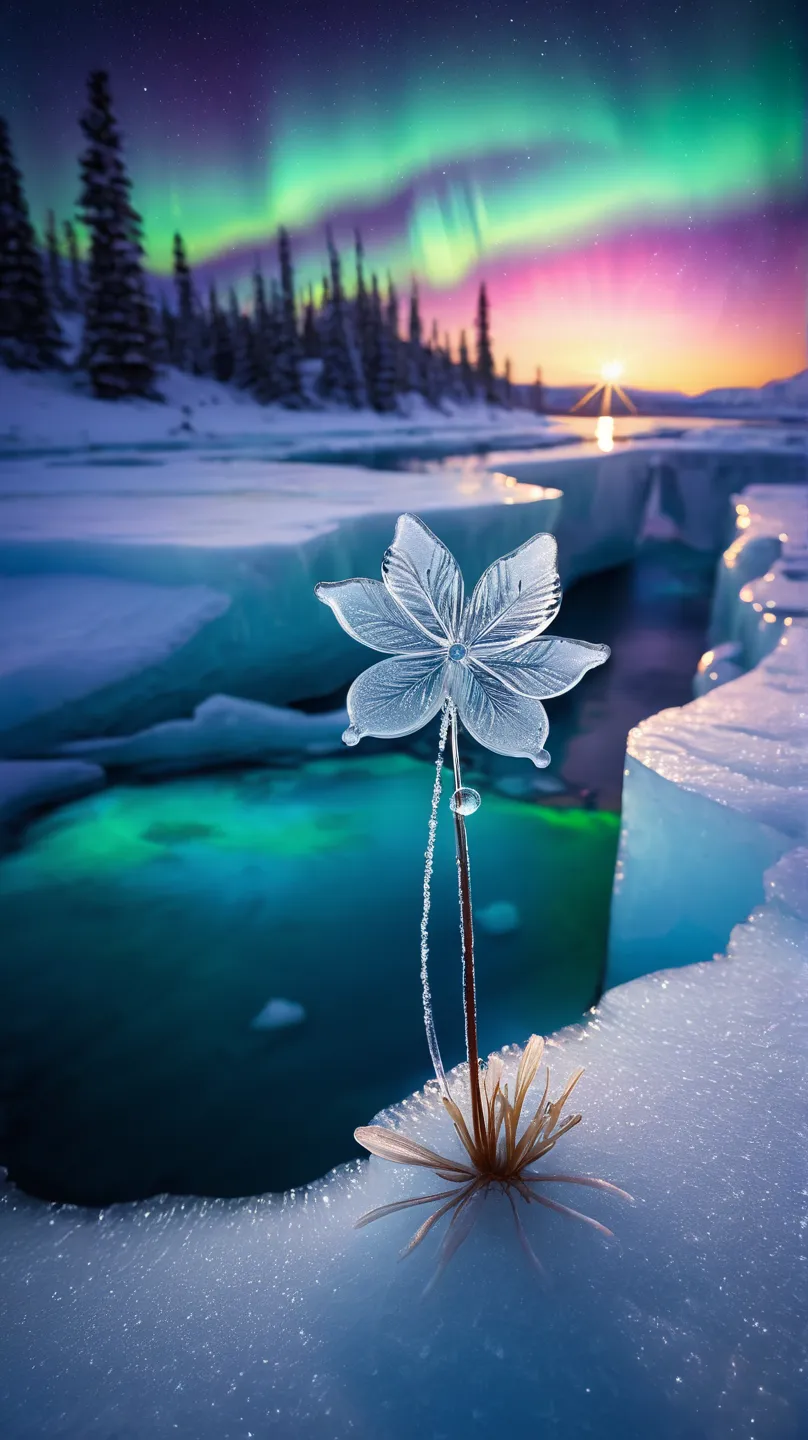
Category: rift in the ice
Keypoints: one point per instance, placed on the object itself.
(482, 663)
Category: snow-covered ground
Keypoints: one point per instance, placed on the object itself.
(51, 412)
(273, 1316)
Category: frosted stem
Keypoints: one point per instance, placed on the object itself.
(467, 943)
(429, 860)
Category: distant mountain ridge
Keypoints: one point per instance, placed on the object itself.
(778, 399)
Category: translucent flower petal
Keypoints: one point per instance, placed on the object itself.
(367, 610)
(544, 668)
(396, 696)
(423, 577)
(515, 599)
(497, 716)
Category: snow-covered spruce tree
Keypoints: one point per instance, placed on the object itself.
(187, 352)
(397, 349)
(312, 348)
(485, 358)
(75, 296)
(55, 277)
(289, 353)
(29, 335)
(118, 348)
(466, 372)
(381, 358)
(341, 378)
(507, 386)
(537, 395)
(416, 368)
(242, 332)
(166, 333)
(220, 339)
(366, 337)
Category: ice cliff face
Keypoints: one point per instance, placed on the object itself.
(714, 793)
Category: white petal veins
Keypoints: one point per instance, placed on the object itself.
(424, 578)
(498, 717)
(370, 614)
(544, 668)
(396, 696)
(515, 599)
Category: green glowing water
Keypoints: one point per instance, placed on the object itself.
(144, 928)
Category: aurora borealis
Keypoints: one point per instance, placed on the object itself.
(630, 180)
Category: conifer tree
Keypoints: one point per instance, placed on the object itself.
(263, 345)
(466, 372)
(119, 339)
(194, 341)
(381, 356)
(290, 388)
(537, 398)
(29, 335)
(340, 379)
(55, 279)
(362, 316)
(74, 298)
(312, 349)
(507, 387)
(222, 360)
(243, 346)
(416, 366)
(398, 350)
(485, 358)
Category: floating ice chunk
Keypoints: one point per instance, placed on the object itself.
(27, 785)
(278, 1014)
(714, 793)
(203, 1317)
(501, 917)
(223, 730)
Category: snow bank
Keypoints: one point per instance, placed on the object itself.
(223, 731)
(74, 647)
(272, 1316)
(183, 542)
(28, 785)
(53, 412)
(764, 519)
(714, 793)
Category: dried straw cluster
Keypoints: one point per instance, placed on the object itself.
(498, 1155)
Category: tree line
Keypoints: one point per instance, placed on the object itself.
(283, 348)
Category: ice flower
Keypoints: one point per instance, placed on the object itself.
(484, 655)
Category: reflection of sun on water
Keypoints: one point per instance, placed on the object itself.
(604, 432)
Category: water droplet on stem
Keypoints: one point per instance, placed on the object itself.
(465, 801)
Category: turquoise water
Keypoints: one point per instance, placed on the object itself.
(145, 927)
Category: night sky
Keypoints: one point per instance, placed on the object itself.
(630, 179)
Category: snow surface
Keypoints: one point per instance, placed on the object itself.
(223, 731)
(714, 793)
(272, 1316)
(28, 785)
(70, 641)
(48, 412)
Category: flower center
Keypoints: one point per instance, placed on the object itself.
(457, 652)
